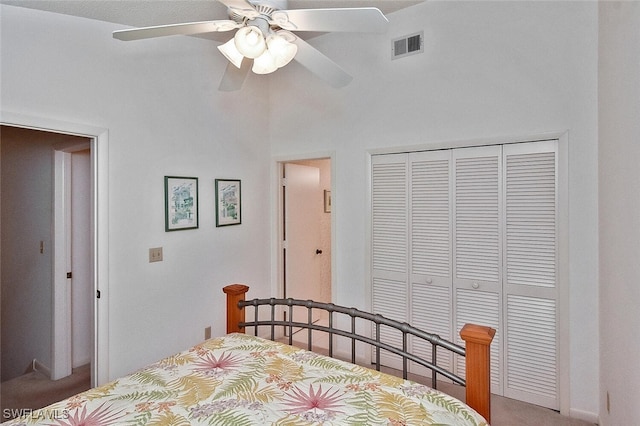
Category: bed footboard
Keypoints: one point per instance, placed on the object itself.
(477, 340)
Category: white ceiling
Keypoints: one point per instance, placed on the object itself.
(143, 13)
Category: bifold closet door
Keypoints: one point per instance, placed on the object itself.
(469, 235)
(389, 233)
(430, 250)
(477, 247)
(531, 268)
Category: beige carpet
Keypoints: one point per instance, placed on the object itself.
(510, 412)
(34, 390)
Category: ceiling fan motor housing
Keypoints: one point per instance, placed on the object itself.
(264, 9)
(269, 5)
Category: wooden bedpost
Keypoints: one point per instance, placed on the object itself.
(235, 315)
(478, 344)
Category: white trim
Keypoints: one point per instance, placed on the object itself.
(587, 416)
(302, 157)
(466, 143)
(41, 368)
(564, 301)
(368, 239)
(100, 216)
(275, 202)
(276, 208)
(100, 219)
(49, 125)
(61, 340)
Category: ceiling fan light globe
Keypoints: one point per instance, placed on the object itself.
(282, 50)
(250, 42)
(230, 52)
(264, 64)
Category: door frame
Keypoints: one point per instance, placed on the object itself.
(277, 258)
(61, 325)
(63, 228)
(99, 144)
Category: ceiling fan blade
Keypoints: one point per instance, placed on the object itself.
(241, 7)
(316, 62)
(189, 28)
(234, 77)
(359, 19)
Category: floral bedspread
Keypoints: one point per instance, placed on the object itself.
(244, 380)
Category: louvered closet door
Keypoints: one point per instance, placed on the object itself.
(530, 273)
(477, 247)
(430, 251)
(389, 198)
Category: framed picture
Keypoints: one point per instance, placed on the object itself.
(180, 203)
(327, 201)
(228, 202)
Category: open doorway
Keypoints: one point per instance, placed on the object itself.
(34, 323)
(305, 232)
(99, 148)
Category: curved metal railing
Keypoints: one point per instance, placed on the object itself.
(375, 341)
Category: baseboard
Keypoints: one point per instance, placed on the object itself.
(80, 363)
(41, 368)
(587, 416)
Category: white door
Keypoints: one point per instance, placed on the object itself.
(430, 250)
(493, 260)
(303, 205)
(531, 268)
(81, 263)
(73, 266)
(61, 342)
(389, 254)
(477, 247)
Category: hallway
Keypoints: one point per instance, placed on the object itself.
(34, 390)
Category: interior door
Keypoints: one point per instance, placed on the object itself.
(531, 265)
(303, 205)
(389, 254)
(73, 292)
(430, 251)
(477, 249)
(81, 263)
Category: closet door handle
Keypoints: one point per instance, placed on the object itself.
(475, 286)
(318, 251)
(429, 281)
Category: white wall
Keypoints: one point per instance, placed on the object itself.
(619, 202)
(27, 160)
(159, 101)
(490, 69)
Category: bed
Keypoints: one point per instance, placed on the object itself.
(242, 379)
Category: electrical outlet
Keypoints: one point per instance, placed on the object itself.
(207, 333)
(155, 254)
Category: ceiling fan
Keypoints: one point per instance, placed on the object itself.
(265, 41)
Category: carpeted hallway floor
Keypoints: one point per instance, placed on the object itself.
(34, 390)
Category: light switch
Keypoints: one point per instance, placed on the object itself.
(155, 254)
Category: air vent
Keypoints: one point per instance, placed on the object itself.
(407, 45)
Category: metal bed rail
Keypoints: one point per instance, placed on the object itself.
(333, 330)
